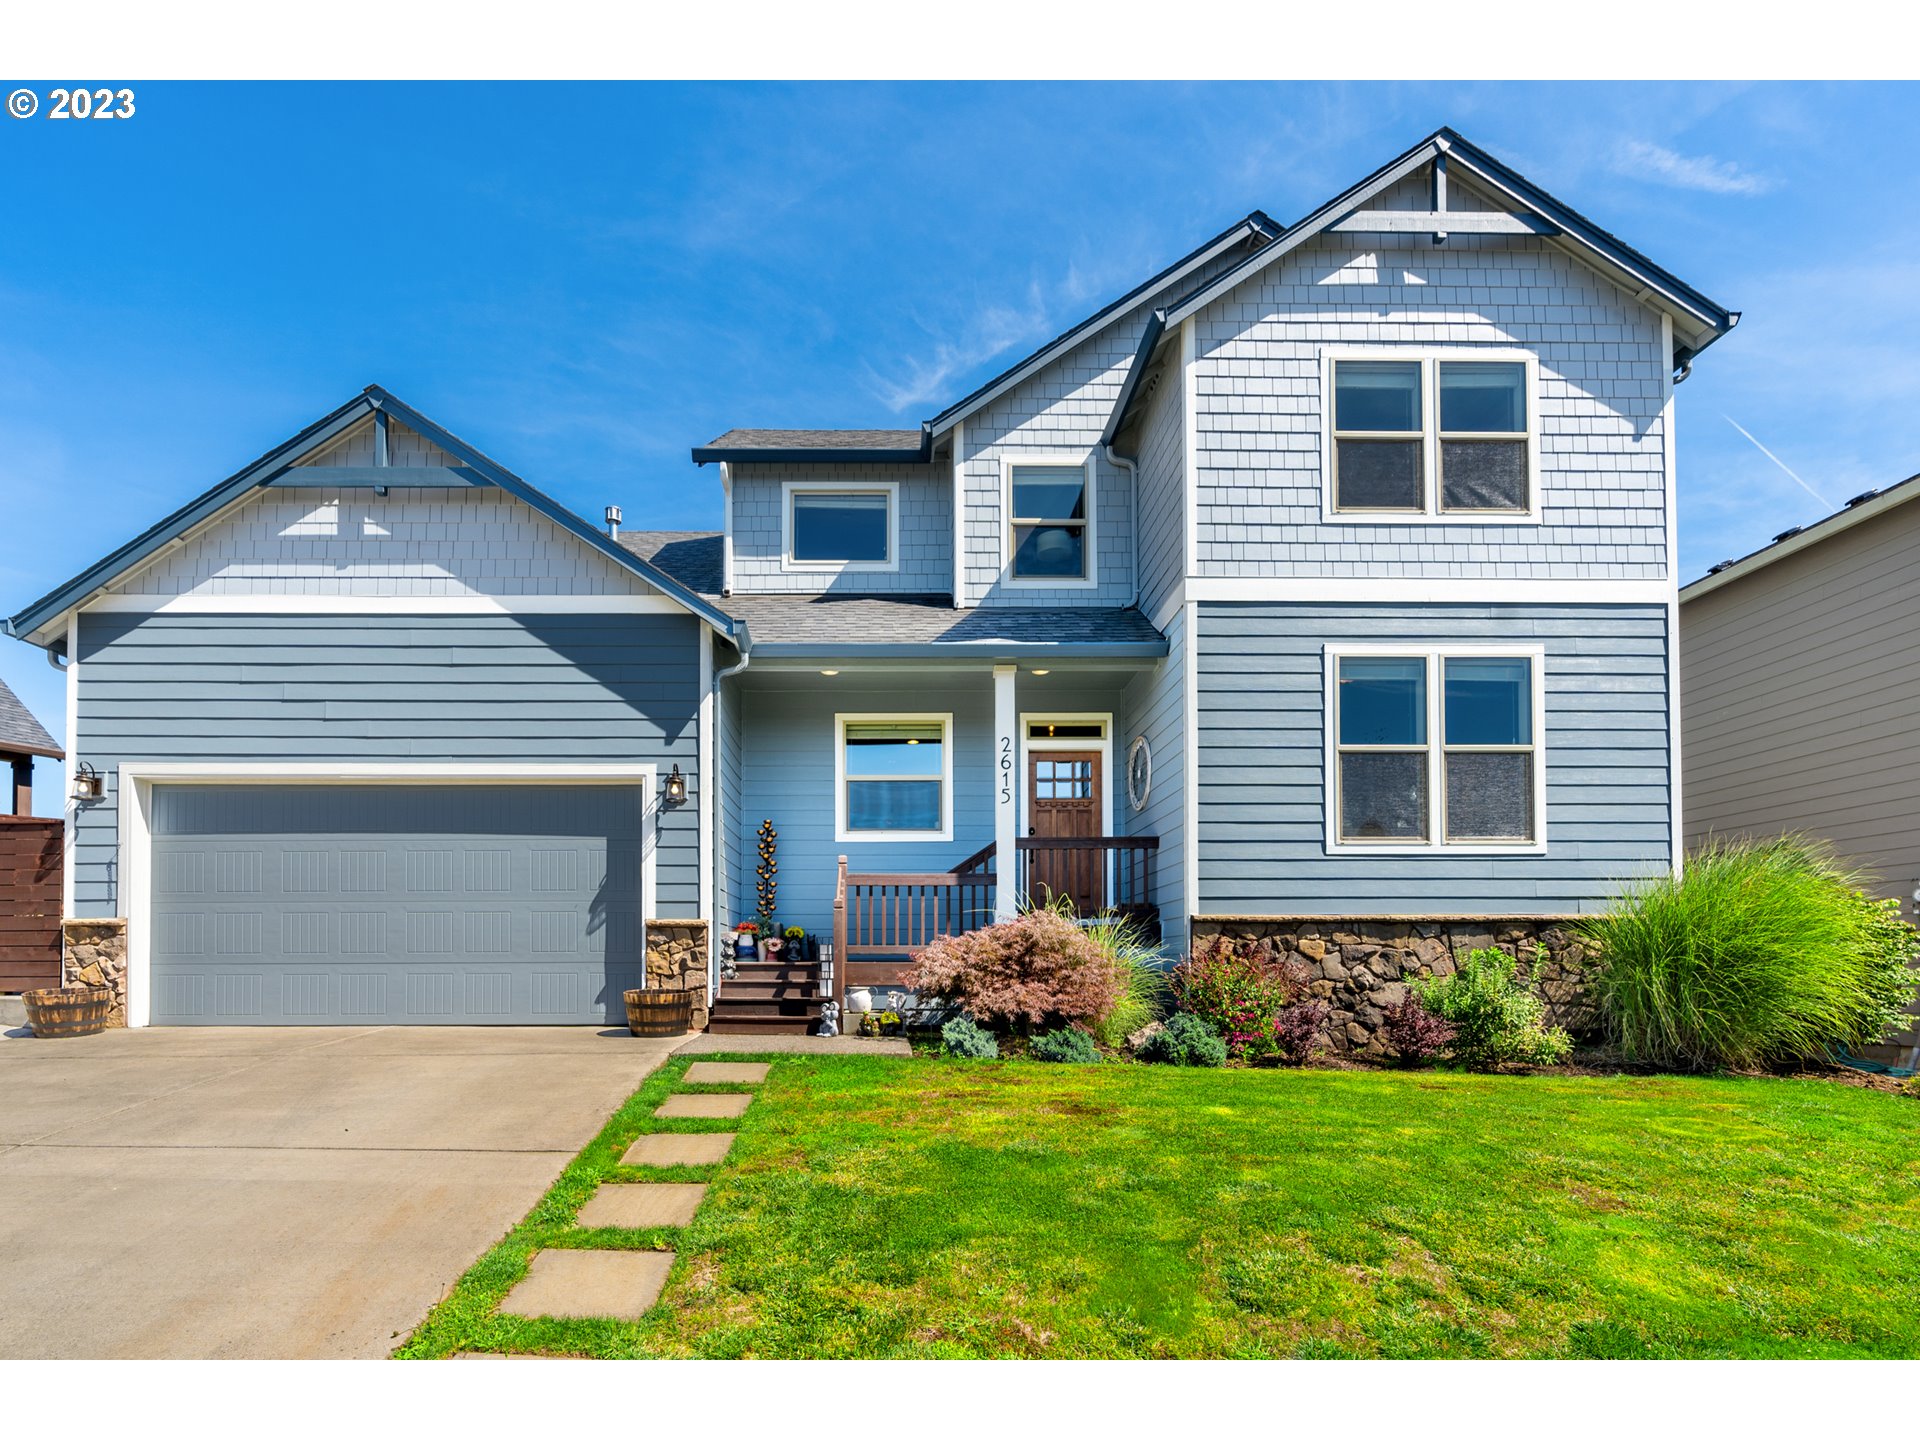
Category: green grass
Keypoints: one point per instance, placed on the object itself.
(936, 1208)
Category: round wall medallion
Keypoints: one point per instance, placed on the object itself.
(1139, 772)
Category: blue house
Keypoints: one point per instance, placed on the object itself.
(1324, 580)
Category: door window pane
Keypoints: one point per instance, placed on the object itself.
(1483, 397)
(1489, 701)
(1377, 475)
(1483, 474)
(1383, 700)
(1490, 795)
(840, 527)
(1376, 395)
(1383, 795)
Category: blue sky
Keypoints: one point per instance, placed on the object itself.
(586, 281)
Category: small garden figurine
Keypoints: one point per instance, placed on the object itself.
(830, 1019)
(745, 940)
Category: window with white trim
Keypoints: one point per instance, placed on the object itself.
(1435, 748)
(1049, 519)
(832, 527)
(895, 777)
(1432, 435)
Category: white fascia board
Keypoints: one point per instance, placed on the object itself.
(388, 605)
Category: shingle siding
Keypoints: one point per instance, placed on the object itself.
(1163, 491)
(1262, 761)
(925, 529)
(1258, 428)
(297, 688)
(408, 544)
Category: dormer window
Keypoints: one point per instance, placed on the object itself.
(1447, 435)
(840, 527)
(1049, 521)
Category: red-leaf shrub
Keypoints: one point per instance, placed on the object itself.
(1415, 1031)
(1036, 970)
(1242, 990)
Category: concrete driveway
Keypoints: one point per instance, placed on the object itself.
(276, 1193)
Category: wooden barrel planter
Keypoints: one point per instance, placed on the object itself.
(55, 1014)
(656, 1013)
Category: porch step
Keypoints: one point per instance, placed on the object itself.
(725, 1023)
(769, 990)
(796, 1007)
(761, 970)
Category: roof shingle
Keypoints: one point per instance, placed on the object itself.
(20, 733)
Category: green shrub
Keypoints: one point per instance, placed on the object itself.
(964, 1040)
(1760, 952)
(1187, 1040)
(1143, 981)
(1497, 1020)
(1064, 1047)
(1239, 988)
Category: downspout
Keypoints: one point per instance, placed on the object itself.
(1117, 460)
(714, 788)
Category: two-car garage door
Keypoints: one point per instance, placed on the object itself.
(395, 904)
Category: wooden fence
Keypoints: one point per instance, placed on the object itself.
(29, 902)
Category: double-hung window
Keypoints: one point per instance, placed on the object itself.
(895, 777)
(1447, 435)
(836, 527)
(1050, 521)
(1435, 748)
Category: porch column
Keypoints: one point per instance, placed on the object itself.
(1006, 794)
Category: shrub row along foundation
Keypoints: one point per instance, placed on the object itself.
(1361, 967)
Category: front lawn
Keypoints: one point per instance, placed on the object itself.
(889, 1208)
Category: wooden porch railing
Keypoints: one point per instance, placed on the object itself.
(880, 918)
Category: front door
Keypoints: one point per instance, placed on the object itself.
(1063, 804)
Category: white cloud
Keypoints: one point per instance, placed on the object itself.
(1644, 160)
(993, 331)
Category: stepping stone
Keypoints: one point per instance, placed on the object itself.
(704, 1107)
(678, 1150)
(712, 1072)
(590, 1284)
(636, 1207)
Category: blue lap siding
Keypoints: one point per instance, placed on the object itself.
(1261, 759)
(372, 688)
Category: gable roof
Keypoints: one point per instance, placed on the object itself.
(1698, 321)
(20, 733)
(1856, 511)
(370, 401)
(916, 446)
(913, 447)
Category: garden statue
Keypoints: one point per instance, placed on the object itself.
(830, 1018)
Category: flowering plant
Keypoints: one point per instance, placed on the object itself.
(1258, 1002)
(746, 927)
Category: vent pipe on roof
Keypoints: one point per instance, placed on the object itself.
(613, 522)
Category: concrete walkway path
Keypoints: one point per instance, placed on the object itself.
(277, 1192)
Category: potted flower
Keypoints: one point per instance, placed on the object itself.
(796, 946)
(745, 941)
(772, 944)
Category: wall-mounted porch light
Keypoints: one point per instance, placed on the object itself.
(87, 783)
(674, 792)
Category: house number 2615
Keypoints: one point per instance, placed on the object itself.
(1006, 769)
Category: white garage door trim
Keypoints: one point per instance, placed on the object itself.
(136, 783)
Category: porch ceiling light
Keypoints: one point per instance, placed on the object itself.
(1041, 672)
(829, 672)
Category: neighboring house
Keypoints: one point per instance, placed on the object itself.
(1328, 573)
(1800, 683)
(22, 739)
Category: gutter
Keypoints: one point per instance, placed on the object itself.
(997, 651)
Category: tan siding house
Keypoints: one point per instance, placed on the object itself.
(1800, 691)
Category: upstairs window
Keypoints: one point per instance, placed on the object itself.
(1435, 749)
(1050, 512)
(832, 527)
(895, 777)
(1432, 436)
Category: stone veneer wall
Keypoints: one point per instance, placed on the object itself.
(96, 957)
(677, 960)
(1360, 967)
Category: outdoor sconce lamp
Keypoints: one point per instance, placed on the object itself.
(87, 784)
(674, 792)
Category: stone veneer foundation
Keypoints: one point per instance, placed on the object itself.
(677, 960)
(96, 957)
(1360, 967)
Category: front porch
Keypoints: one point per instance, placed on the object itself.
(907, 802)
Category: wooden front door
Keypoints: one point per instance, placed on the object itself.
(1063, 803)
